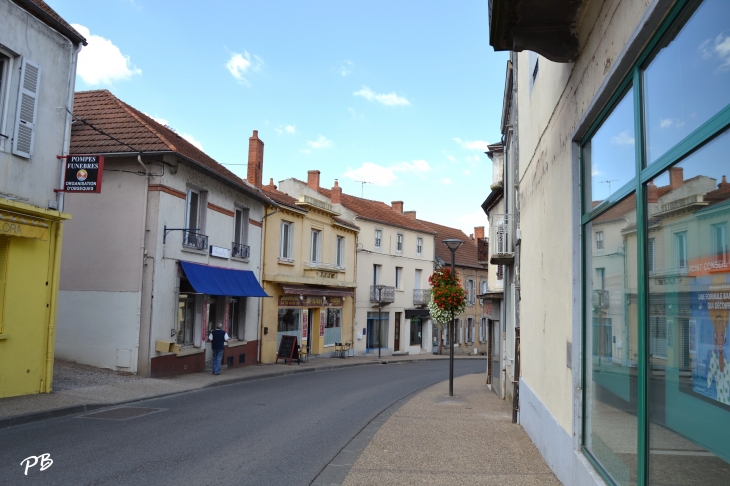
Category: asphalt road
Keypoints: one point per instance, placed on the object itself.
(275, 431)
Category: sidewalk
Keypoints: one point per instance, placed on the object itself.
(465, 439)
(78, 388)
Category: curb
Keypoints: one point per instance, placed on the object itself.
(74, 409)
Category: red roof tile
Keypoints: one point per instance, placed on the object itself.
(116, 118)
(281, 197)
(465, 256)
(378, 212)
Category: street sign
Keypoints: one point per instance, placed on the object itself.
(83, 173)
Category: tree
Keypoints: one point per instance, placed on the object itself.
(448, 299)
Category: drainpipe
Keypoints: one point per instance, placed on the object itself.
(516, 267)
(142, 289)
(67, 128)
(260, 330)
(47, 382)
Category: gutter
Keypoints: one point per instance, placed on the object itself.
(41, 14)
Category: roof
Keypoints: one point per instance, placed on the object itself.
(43, 12)
(378, 212)
(465, 256)
(346, 223)
(129, 125)
(281, 198)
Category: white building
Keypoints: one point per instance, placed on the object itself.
(394, 250)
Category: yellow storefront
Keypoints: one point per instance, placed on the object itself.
(30, 258)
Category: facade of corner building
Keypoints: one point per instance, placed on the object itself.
(393, 250)
(616, 142)
(309, 271)
(171, 247)
(472, 326)
(38, 53)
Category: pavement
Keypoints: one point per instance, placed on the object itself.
(436, 439)
(78, 388)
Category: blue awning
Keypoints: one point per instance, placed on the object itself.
(222, 281)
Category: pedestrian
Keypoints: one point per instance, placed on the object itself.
(218, 338)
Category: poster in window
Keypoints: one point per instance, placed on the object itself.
(305, 322)
(321, 324)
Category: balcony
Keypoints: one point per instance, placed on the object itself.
(600, 299)
(421, 296)
(501, 238)
(194, 240)
(387, 295)
(483, 251)
(239, 250)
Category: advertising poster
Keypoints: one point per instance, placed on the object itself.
(321, 324)
(305, 321)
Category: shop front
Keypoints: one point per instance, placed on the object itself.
(319, 317)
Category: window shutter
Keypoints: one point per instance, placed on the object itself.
(25, 117)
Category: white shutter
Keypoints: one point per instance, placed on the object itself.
(25, 117)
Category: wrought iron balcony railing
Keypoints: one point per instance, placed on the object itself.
(501, 239)
(421, 296)
(194, 240)
(239, 250)
(387, 294)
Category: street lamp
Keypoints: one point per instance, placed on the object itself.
(452, 244)
(380, 306)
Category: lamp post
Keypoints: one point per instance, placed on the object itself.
(380, 306)
(452, 244)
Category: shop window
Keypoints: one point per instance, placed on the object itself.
(185, 319)
(416, 330)
(237, 316)
(377, 328)
(289, 324)
(333, 327)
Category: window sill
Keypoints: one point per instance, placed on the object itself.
(238, 259)
(190, 351)
(283, 261)
(236, 343)
(193, 250)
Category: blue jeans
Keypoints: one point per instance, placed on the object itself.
(217, 358)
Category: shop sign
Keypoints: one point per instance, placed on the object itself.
(305, 325)
(220, 252)
(83, 173)
(293, 300)
(321, 324)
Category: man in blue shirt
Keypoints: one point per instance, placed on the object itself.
(218, 338)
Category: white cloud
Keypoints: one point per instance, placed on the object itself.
(290, 129)
(451, 158)
(344, 70)
(385, 176)
(623, 138)
(719, 47)
(472, 158)
(391, 99)
(320, 143)
(670, 122)
(101, 62)
(239, 64)
(192, 140)
(161, 121)
(446, 181)
(467, 172)
(472, 145)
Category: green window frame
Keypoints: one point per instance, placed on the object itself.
(644, 173)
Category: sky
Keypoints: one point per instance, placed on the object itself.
(395, 100)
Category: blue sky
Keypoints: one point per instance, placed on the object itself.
(404, 95)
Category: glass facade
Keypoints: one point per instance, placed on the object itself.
(656, 264)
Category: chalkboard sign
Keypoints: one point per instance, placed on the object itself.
(288, 349)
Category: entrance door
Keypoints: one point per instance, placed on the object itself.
(396, 337)
(310, 315)
(496, 338)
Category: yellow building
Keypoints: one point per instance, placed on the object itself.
(309, 271)
(30, 256)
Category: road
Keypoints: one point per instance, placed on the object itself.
(282, 430)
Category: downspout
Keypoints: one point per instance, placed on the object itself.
(516, 274)
(147, 365)
(259, 331)
(67, 128)
(55, 278)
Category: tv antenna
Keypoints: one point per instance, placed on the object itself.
(362, 187)
(609, 184)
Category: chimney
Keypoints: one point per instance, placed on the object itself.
(336, 195)
(271, 183)
(313, 180)
(471, 236)
(255, 159)
(479, 232)
(410, 214)
(676, 177)
(724, 183)
(397, 205)
(652, 192)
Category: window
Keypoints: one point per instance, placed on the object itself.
(193, 236)
(483, 330)
(340, 256)
(333, 327)
(377, 330)
(500, 272)
(399, 243)
(419, 245)
(378, 238)
(286, 241)
(651, 255)
(483, 287)
(185, 319)
(720, 243)
(680, 250)
(240, 233)
(399, 277)
(600, 283)
(376, 274)
(237, 316)
(27, 104)
(459, 332)
(469, 330)
(470, 297)
(315, 254)
(416, 331)
(289, 324)
(417, 279)
(599, 240)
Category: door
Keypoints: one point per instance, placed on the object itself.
(496, 338)
(396, 337)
